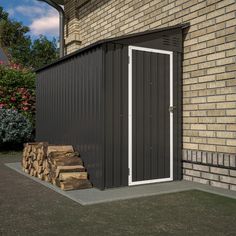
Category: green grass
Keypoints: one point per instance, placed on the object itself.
(4, 154)
(48, 213)
(28, 208)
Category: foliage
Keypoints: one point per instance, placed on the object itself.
(23, 50)
(44, 51)
(17, 90)
(14, 128)
(3, 14)
(13, 36)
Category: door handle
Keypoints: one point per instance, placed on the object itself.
(172, 108)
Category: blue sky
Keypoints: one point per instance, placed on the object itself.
(41, 18)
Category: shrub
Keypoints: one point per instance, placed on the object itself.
(14, 128)
(17, 90)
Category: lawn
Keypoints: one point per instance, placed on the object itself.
(9, 154)
(28, 208)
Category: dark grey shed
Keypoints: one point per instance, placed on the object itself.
(112, 101)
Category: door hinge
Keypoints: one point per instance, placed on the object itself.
(172, 108)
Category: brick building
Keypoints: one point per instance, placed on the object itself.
(209, 83)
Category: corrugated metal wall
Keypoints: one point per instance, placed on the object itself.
(116, 119)
(83, 100)
(70, 108)
(177, 116)
(151, 118)
(116, 104)
(170, 40)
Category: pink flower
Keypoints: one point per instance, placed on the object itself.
(1, 62)
(20, 90)
(15, 66)
(2, 105)
(25, 108)
(13, 99)
(24, 103)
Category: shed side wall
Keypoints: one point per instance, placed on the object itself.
(116, 113)
(116, 121)
(70, 108)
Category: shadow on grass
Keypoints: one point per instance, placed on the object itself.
(11, 150)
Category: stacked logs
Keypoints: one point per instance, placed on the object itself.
(59, 165)
(34, 161)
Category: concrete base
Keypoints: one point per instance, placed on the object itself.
(95, 196)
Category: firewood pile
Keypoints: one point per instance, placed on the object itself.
(59, 165)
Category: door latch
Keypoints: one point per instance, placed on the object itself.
(171, 108)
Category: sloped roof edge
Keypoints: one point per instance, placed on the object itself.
(109, 40)
(61, 2)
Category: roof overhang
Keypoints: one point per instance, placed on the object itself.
(117, 40)
(60, 2)
(78, 3)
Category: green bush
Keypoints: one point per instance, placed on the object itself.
(17, 90)
(15, 128)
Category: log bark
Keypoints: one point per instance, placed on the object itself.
(62, 148)
(72, 184)
(64, 161)
(55, 155)
(64, 169)
(75, 175)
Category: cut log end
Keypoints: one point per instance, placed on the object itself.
(59, 165)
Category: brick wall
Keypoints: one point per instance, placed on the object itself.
(209, 83)
(214, 176)
(216, 169)
(72, 36)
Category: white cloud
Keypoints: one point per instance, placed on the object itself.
(11, 12)
(42, 18)
(47, 24)
(30, 11)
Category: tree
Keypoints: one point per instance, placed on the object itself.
(14, 36)
(43, 52)
(3, 14)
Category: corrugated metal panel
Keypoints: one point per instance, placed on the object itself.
(170, 40)
(177, 119)
(70, 110)
(83, 100)
(151, 118)
(116, 120)
(116, 110)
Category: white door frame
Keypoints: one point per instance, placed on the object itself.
(130, 153)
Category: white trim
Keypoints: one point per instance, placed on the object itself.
(150, 50)
(130, 144)
(130, 49)
(171, 117)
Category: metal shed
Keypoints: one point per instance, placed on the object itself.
(119, 102)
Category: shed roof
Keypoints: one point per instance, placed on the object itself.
(115, 39)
